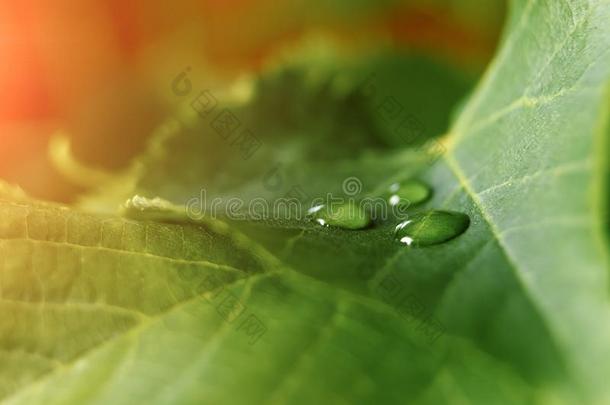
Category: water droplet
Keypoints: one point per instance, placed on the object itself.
(348, 215)
(156, 209)
(139, 203)
(409, 193)
(315, 209)
(431, 228)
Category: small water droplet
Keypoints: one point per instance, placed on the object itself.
(143, 208)
(315, 209)
(348, 215)
(431, 228)
(411, 192)
(139, 203)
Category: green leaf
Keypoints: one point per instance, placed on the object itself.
(317, 125)
(98, 309)
(112, 310)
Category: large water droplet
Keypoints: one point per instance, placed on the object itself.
(348, 215)
(431, 228)
(408, 193)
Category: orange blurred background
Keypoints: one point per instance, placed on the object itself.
(100, 69)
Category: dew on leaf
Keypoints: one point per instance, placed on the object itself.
(409, 193)
(143, 208)
(347, 215)
(431, 228)
(140, 203)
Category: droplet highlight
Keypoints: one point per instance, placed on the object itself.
(139, 203)
(408, 193)
(347, 215)
(153, 209)
(431, 228)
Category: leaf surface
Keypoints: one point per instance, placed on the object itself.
(105, 309)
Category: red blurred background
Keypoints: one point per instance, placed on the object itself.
(99, 69)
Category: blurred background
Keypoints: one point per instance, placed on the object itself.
(100, 71)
